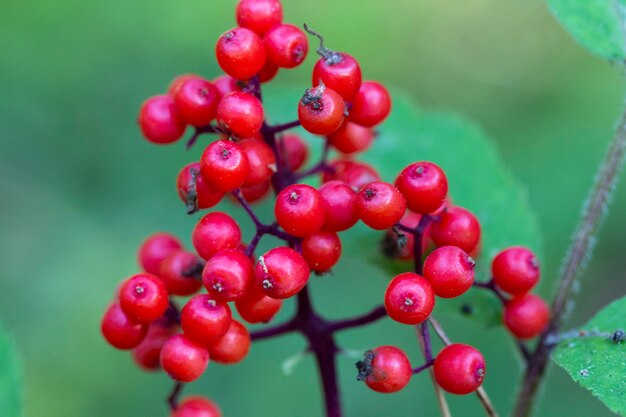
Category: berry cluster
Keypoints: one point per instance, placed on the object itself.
(248, 159)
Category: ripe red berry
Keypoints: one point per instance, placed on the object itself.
(299, 210)
(259, 15)
(409, 298)
(339, 71)
(355, 174)
(424, 185)
(321, 250)
(351, 138)
(321, 110)
(456, 227)
(177, 273)
(227, 275)
(286, 46)
(155, 249)
(197, 100)
(204, 319)
(119, 330)
(371, 105)
(256, 307)
(261, 160)
(268, 72)
(148, 352)
(293, 150)
(214, 232)
(515, 270)
(194, 191)
(182, 359)
(144, 298)
(380, 205)
(281, 273)
(339, 201)
(385, 369)
(178, 81)
(450, 271)
(160, 120)
(241, 53)
(526, 316)
(196, 406)
(254, 193)
(233, 346)
(240, 114)
(226, 85)
(459, 369)
(224, 165)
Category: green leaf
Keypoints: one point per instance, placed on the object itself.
(477, 177)
(598, 25)
(597, 363)
(10, 380)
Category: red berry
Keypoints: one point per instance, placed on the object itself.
(155, 249)
(254, 193)
(214, 232)
(286, 46)
(294, 151)
(160, 120)
(281, 273)
(193, 190)
(450, 271)
(321, 110)
(196, 406)
(355, 174)
(299, 210)
(240, 114)
(515, 270)
(197, 101)
(256, 307)
(268, 72)
(119, 330)
(459, 369)
(456, 227)
(178, 81)
(526, 316)
(424, 185)
(261, 160)
(339, 201)
(321, 250)
(380, 205)
(241, 53)
(341, 72)
(385, 369)
(182, 359)
(204, 319)
(233, 347)
(177, 273)
(224, 165)
(144, 298)
(259, 15)
(148, 352)
(371, 105)
(409, 298)
(351, 138)
(226, 85)
(227, 275)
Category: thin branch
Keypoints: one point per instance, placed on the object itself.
(374, 315)
(578, 255)
(423, 367)
(285, 126)
(491, 286)
(199, 131)
(441, 396)
(172, 399)
(278, 330)
(246, 206)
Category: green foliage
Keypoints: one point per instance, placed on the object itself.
(598, 25)
(10, 381)
(478, 181)
(597, 363)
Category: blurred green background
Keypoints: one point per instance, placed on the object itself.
(80, 188)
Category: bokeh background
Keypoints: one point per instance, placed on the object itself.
(79, 187)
